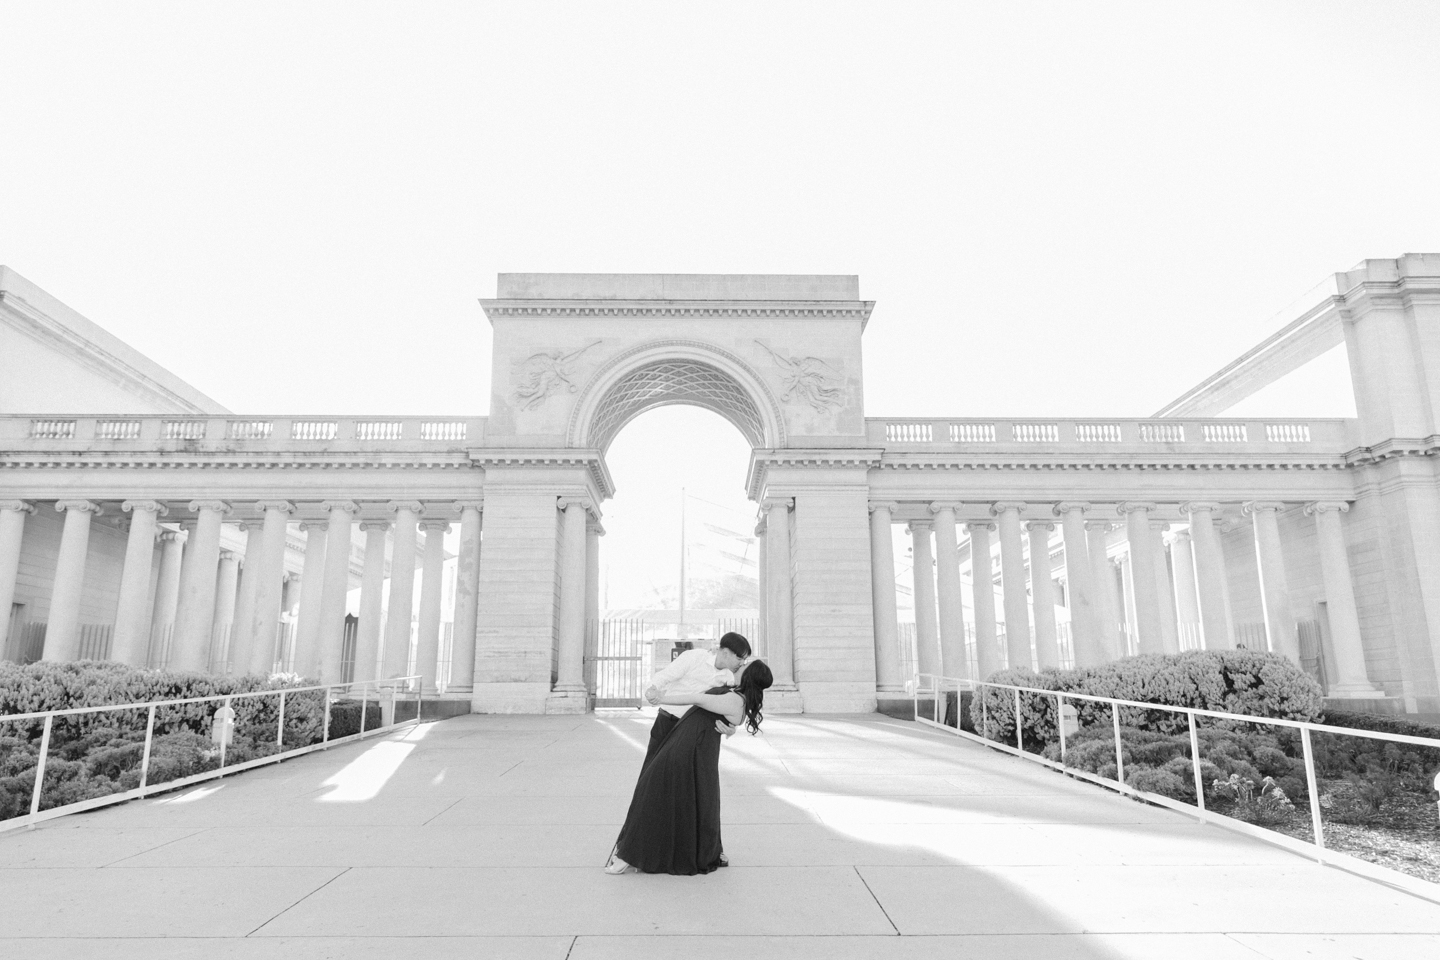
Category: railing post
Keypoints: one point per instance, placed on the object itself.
(1019, 737)
(280, 725)
(1195, 763)
(1060, 723)
(419, 700)
(984, 717)
(145, 757)
(1119, 752)
(1313, 786)
(364, 702)
(325, 730)
(40, 765)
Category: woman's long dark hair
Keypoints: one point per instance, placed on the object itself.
(755, 679)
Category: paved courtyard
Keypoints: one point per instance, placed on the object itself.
(483, 836)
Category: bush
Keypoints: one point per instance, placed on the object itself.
(1246, 682)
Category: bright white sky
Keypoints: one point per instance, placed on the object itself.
(1061, 208)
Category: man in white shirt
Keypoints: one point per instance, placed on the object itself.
(694, 671)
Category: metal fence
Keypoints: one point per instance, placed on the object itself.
(932, 690)
(54, 726)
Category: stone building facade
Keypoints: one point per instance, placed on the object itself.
(143, 510)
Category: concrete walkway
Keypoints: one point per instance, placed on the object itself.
(855, 837)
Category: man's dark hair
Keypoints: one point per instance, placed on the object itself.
(736, 644)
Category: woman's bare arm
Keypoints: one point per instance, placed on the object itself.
(731, 706)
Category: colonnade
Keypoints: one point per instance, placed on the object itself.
(205, 598)
(1193, 589)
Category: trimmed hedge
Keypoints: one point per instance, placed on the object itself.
(1247, 682)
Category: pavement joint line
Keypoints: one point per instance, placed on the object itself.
(157, 846)
(297, 903)
(571, 949)
(1231, 938)
(876, 899)
(451, 807)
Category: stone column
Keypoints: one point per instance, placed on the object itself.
(779, 606)
(195, 613)
(762, 591)
(241, 639)
(1107, 594)
(167, 598)
(1164, 591)
(312, 586)
(257, 653)
(1085, 606)
(1145, 583)
(570, 651)
(1274, 586)
(335, 587)
(1042, 594)
(1012, 582)
(922, 571)
(593, 532)
(227, 586)
(988, 656)
(130, 644)
(62, 636)
(12, 531)
(432, 573)
(402, 588)
(1187, 602)
(953, 661)
(467, 596)
(888, 678)
(372, 596)
(1212, 585)
(1346, 647)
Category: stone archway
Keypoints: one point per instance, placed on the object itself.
(675, 372)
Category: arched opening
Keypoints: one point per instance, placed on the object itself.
(679, 562)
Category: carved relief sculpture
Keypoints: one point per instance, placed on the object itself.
(545, 373)
(809, 379)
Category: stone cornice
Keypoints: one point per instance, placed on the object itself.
(550, 457)
(916, 461)
(762, 460)
(1393, 449)
(681, 309)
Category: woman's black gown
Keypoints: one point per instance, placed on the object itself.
(674, 821)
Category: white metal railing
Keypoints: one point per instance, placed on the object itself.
(932, 687)
(393, 686)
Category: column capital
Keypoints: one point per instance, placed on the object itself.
(318, 525)
(18, 506)
(152, 506)
(974, 525)
(770, 503)
(1177, 536)
(228, 555)
(81, 506)
(1200, 506)
(595, 527)
(277, 506)
(367, 525)
(1045, 525)
(1066, 506)
(1160, 525)
(1134, 506)
(564, 503)
(951, 505)
(1001, 506)
(889, 506)
(1325, 506)
(172, 536)
(1252, 507)
(760, 528)
(1103, 526)
(463, 505)
(414, 506)
(215, 506)
(435, 525)
(347, 506)
(920, 526)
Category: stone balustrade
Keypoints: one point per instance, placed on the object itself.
(1333, 437)
(219, 433)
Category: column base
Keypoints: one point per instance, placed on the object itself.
(1354, 691)
(895, 703)
(783, 699)
(510, 697)
(567, 702)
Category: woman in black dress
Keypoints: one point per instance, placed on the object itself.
(674, 821)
